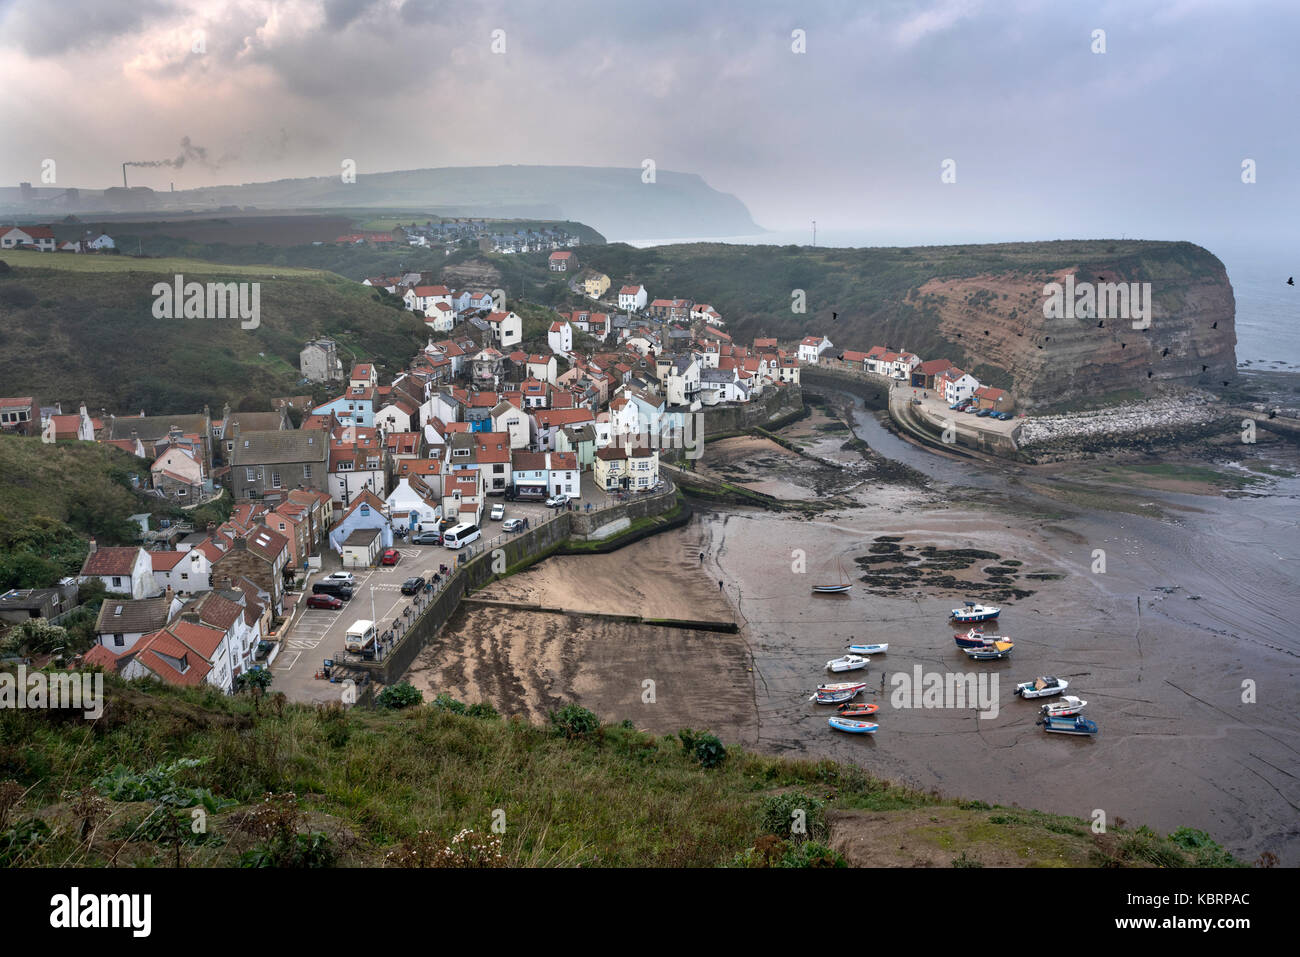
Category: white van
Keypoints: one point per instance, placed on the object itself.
(459, 536)
(360, 636)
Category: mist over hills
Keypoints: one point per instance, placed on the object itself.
(614, 201)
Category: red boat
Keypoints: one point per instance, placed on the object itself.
(856, 709)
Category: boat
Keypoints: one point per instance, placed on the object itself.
(975, 638)
(840, 691)
(1042, 687)
(1076, 724)
(877, 649)
(853, 727)
(856, 709)
(970, 611)
(847, 663)
(999, 649)
(837, 589)
(1067, 707)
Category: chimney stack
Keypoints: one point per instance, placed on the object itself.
(93, 546)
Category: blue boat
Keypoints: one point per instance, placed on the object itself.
(1075, 725)
(975, 638)
(877, 649)
(971, 612)
(852, 727)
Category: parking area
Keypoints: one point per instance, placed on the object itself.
(937, 412)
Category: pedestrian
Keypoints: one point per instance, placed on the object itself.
(719, 584)
(701, 558)
(882, 682)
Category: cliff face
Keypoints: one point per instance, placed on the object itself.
(999, 321)
(979, 306)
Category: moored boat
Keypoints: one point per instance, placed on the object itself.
(838, 692)
(858, 709)
(853, 727)
(830, 589)
(847, 663)
(877, 649)
(970, 611)
(975, 638)
(999, 649)
(1042, 687)
(1068, 725)
(1065, 708)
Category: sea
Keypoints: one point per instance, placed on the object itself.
(1268, 310)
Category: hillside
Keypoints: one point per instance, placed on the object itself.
(980, 306)
(81, 328)
(611, 200)
(285, 785)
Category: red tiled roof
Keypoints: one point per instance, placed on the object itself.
(110, 561)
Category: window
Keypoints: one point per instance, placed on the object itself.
(275, 480)
(250, 474)
(185, 576)
(119, 640)
(117, 582)
(306, 471)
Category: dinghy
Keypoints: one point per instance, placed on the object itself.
(970, 611)
(847, 663)
(1070, 725)
(835, 693)
(853, 727)
(999, 649)
(878, 649)
(1042, 687)
(856, 710)
(1067, 707)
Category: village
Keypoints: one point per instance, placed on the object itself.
(474, 442)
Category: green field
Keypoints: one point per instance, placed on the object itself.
(161, 267)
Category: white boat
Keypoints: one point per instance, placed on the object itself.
(847, 663)
(971, 612)
(838, 692)
(878, 649)
(1067, 707)
(1042, 687)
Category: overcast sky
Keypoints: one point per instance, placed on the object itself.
(1049, 138)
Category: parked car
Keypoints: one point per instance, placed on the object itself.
(412, 585)
(498, 512)
(390, 556)
(427, 538)
(557, 501)
(983, 413)
(337, 589)
(324, 601)
(342, 578)
(512, 524)
(971, 410)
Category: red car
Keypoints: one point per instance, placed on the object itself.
(324, 601)
(390, 557)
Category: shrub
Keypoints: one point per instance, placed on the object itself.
(812, 854)
(709, 751)
(574, 721)
(401, 695)
(445, 702)
(777, 815)
(483, 710)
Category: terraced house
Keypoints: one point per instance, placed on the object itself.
(264, 461)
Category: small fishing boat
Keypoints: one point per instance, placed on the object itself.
(1042, 687)
(847, 663)
(999, 649)
(878, 649)
(1069, 725)
(853, 727)
(840, 691)
(970, 611)
(858, 709)
(838, 588)
(975, 638)
(1067, 707)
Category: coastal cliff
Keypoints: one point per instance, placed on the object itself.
(982, 307)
